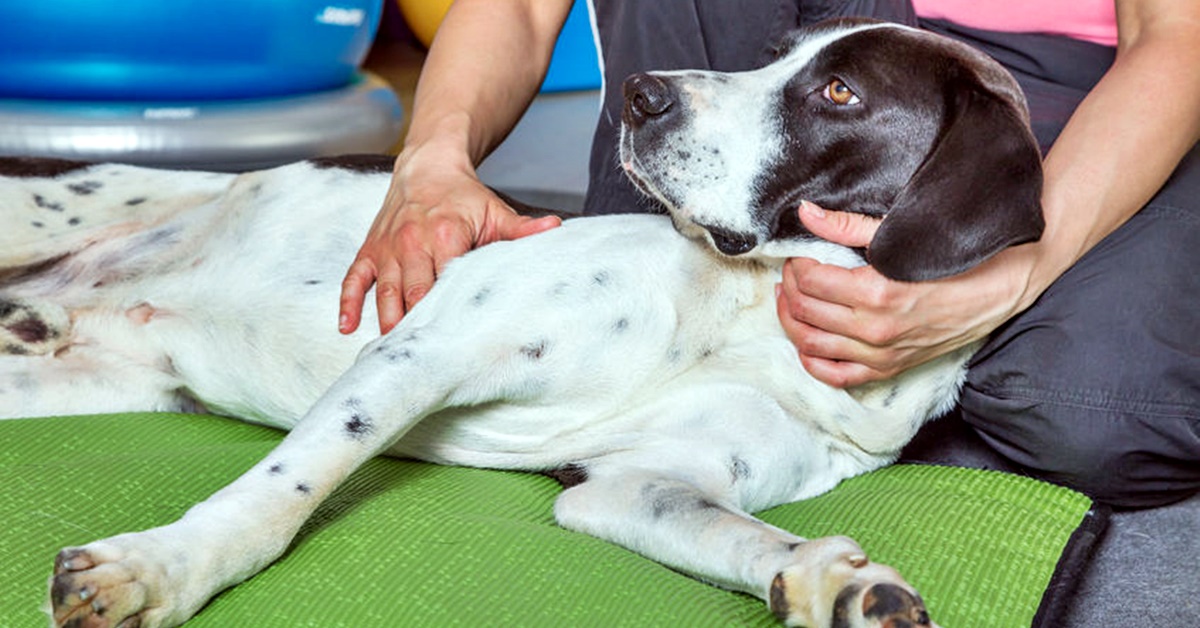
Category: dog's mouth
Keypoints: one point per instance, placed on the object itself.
(726, 241)
(629, 165)
(731, 243)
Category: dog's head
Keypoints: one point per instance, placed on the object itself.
(854, 115)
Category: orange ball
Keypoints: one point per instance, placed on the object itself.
(424, 17)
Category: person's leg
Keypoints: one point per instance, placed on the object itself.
(1097, 386)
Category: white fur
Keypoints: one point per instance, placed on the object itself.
(612, 343)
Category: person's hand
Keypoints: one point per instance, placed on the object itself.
(429, 217)
(854, 326)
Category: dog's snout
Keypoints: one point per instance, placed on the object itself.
(646, 97)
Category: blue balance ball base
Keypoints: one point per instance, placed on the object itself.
(213, 84)
(362, 117)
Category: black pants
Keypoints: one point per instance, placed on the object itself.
(1097, 385)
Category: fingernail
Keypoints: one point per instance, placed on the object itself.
(778, 290)
(812, 209)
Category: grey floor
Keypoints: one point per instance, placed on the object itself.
(1144, 573)
(544, 161)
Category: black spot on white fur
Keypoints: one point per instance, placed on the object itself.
(134, 202)
(359, 425)
(559, 289)
(393, 354)
(481, 296)
(672, 499)
(43, 203)
(621, 325)
(276, 468)
(536, 350)
(303, 488)
(739, 469)
(891, 396)
(84, 188)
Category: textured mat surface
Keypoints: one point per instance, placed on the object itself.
(405, 543)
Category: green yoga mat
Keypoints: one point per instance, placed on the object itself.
(412, 544)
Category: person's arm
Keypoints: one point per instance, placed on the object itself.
(484, 68)
(1115, 153)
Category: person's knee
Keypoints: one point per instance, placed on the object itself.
(1119, 457)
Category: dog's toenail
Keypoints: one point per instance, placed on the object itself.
(858, 560)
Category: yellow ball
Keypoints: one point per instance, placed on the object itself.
(424, 16)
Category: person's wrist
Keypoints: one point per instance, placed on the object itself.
(432, 159)
(1040, 267)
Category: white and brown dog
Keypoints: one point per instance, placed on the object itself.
(647, 366)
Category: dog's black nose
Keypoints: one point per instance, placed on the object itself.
(646, 96)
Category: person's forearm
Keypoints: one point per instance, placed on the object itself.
(484, 68)
(1123, 142)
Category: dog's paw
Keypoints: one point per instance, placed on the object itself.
(833, 584)
(120, 582)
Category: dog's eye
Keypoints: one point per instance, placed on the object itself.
(839, 93)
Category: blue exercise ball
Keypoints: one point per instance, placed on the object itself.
(170, 50)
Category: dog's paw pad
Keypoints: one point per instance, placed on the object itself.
(891, 606)
(834, 584)
(94, 588)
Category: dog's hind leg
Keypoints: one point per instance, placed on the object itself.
(820, 583)
(53, 208)
(84, 382)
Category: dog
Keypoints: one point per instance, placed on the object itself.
(638, 358)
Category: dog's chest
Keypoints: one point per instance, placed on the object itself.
(579, 330)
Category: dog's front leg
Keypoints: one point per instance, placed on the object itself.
(163, 576)
(820, 583)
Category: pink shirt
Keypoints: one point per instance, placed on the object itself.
(1090, 20)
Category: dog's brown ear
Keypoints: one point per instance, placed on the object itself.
(978, 191)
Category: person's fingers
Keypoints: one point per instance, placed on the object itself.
(839, 374)
(358, 280)
(527, 226)
(847, 229)
(825, 315)
(390, 288)
(826, 282)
